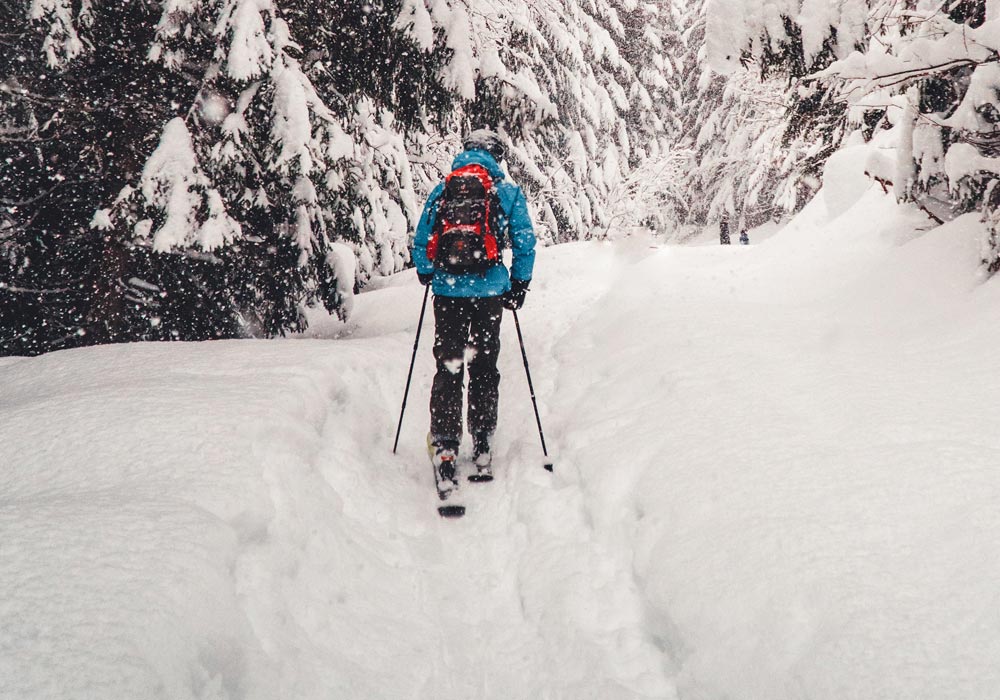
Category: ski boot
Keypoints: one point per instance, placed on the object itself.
(444, 456)
(483, 457)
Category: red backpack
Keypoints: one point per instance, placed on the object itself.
(464, 235)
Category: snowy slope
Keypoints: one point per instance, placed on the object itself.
(775, 478)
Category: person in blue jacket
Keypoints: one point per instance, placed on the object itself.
(467, 312)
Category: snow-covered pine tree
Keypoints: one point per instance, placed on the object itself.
(79, 102)
(572, 145)
(236, 174)
(920, 76)
(554, 77)
(105, 87)
(926, 82)
(248, 157)
(732, 126)
(651, 192)
(760, 132)
(255, 149)
(652, 45)
(383, 84)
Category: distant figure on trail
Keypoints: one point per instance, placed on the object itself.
(724, 231)
(744, 237)
(467, 222)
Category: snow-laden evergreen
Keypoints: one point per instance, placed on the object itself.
(582, 89)
(759, 132)
(282, 157)
(732, 126)
(923, 70)
(175, 188)
(62, 41)
(309, 124)
(196, 148)
(930, 74)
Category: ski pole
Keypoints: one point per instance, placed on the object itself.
(413, 361)
(531, 387)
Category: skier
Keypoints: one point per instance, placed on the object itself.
(744, 237)
(466, 223)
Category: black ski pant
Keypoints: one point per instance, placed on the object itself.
(466, 333)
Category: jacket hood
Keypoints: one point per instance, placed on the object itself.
(478, 157)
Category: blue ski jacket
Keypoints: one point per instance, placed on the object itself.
(515, 228)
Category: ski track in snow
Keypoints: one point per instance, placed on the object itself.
(518, 599)
(774, 479)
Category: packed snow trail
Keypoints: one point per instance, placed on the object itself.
(515, 600)
(775, 478)
(229, 521)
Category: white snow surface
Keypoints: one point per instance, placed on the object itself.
(775, 477)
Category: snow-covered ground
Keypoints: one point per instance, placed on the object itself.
(776, 477)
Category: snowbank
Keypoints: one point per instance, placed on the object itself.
(794, 448)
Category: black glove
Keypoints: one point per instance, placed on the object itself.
(425, 278)
(514, 299)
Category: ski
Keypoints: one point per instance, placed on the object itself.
(484, 474)
(482, 463)
(452, 511)
(449, 510)
(446, 489)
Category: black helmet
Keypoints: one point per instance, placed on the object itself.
(485, 140)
